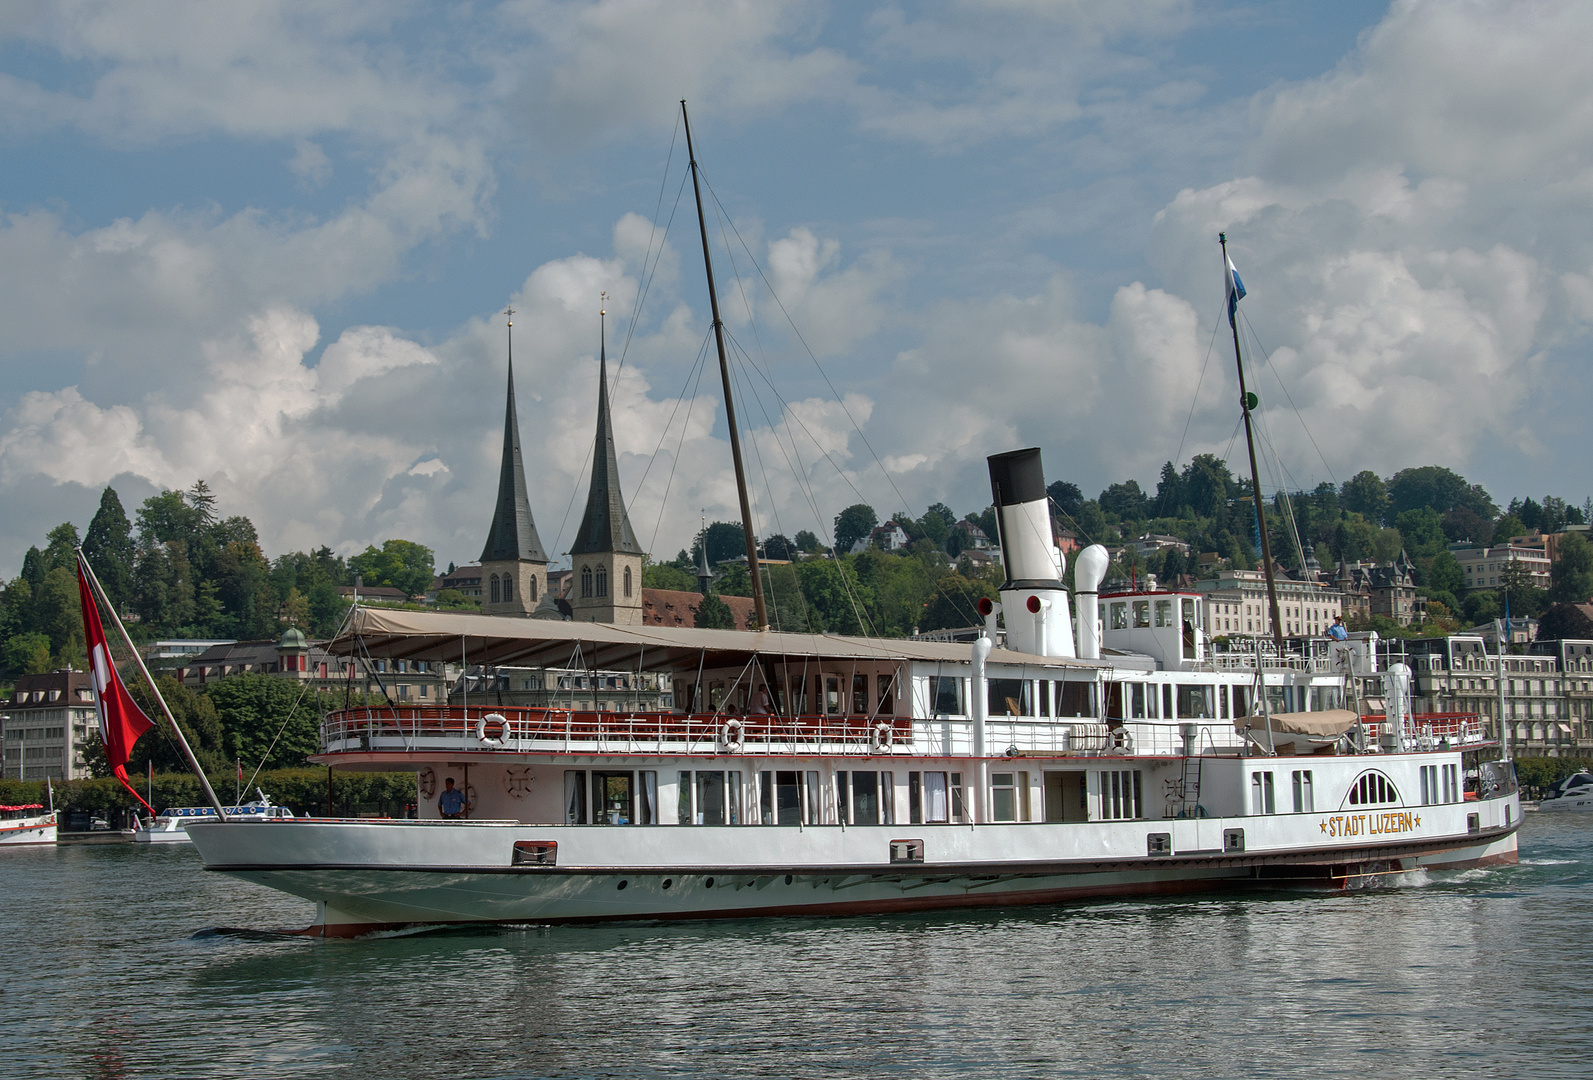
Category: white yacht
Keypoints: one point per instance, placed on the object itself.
(1573, 793)
(24, 825)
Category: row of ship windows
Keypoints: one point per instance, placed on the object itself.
(1132, 701)
(858, 797)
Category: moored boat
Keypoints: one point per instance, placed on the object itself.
(22, 826)
(170, 826)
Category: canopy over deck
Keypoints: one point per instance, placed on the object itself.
(506, 641)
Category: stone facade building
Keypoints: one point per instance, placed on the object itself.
(48, 726)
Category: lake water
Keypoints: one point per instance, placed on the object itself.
(1471, 974)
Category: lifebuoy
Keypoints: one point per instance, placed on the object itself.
(883, 736)
(492, 729)
(733, 735)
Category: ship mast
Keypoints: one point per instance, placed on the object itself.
(730, 403)
(1255, 473)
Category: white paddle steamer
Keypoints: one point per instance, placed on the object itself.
(1110, 754)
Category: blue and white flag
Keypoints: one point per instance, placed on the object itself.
(1236, 292)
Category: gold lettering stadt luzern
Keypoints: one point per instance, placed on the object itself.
(1389, 823)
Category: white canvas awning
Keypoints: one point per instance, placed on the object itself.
(497, 640)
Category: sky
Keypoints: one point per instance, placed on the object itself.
(267, 245)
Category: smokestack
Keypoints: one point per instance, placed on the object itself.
(1034, 565)
(1088, 570)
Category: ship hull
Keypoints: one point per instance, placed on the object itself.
(367, 877)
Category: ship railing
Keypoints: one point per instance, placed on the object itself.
(1431, 730)
(522, 729)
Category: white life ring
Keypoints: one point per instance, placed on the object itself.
(426, 783)
(492, 721)
(883, 736)
(733, 735)
(1123, 739)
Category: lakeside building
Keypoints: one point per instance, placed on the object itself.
(1548, 691)
(1236, 605)
(48, 726)
(1486, 567)
(293, 656)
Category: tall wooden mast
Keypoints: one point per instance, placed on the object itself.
(730, 401)
(1255, 473)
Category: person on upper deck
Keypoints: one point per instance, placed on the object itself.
(451, 803)
(1337, 631)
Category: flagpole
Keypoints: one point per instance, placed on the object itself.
(188, 753)
(1255, 473)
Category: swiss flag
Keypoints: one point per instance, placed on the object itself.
(121, 720)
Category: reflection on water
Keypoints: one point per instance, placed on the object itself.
(1472, 971)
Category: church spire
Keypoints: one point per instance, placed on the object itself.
(513, 537)
(605, 526)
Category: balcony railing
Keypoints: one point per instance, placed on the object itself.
(1430, 729)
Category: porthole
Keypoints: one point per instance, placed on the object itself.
(623, 883)
(668, 882)
(788, 879)
(708, 884)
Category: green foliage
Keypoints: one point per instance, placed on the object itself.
(1525, 599)
(779, 547)
(788, 608)
(27, 654)
(108, 546)
(734, 581)
(952, 604)
(1445, 575)
(254, 709)
(714, 614)
(1537, 774)
(1422, 531)
(454, 600)
(1564, 621)
(1438, 489)
(1367, 495)
(1571, 576)
(399, 564)
(1482, 606)
(852, 525)
(660, 576)
(724, 540)
(1507, 528)
(302, 790)
(1124, 501)
(806, 541)
(835, 597)
(1065, 497)
(197, 718)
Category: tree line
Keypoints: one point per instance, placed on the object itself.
(179, 569)
(934, 584)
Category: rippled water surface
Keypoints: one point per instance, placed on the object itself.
(1475, 973)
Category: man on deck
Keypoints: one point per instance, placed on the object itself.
(451, 803)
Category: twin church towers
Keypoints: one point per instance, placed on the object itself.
(605, 560)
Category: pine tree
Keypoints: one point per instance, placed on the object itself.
(108, 546)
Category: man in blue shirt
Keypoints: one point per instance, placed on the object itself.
(451, 803)
(1337, 631)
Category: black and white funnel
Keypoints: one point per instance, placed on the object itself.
(1034, 601)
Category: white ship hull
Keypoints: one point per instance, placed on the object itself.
(27, 832)
(367, 876)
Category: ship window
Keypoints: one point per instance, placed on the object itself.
(1371, 789)
(613, 793)
(832, 696)
(1075, 699)
(1009, 796)
(887, 695)
(1304, 797)
(782, 798)
(1120, 616)
(959, 809)
(799, 696)
(1010, 697)
(574, 797)
(1262, 797)
(1141, 614)
(865, 798)
(1120, 794)
(927, 798)
(1137, 701)
(1164, 613)
(860, 695)
(1195, 703)
(946, 692)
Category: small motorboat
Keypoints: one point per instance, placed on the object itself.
(1575, 792)
(171, 825)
